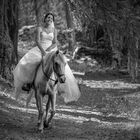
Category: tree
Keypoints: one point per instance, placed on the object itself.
(70, 24)
(39, 10)
(8, 37)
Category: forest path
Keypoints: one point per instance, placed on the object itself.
(109, 109)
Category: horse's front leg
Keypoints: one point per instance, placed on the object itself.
(41, 116)
(46, 124)
(53, 102)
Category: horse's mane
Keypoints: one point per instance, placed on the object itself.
(48, 58)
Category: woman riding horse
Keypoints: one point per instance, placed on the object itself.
(24, 73)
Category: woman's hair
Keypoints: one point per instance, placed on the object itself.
(48, 15)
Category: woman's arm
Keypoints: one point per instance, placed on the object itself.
(54, 42)
(39, 30)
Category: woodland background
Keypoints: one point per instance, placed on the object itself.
(107, 30)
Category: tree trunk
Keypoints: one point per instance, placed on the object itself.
(37, 12)
(70, 25)
(8, 37)
(133, 58)
(112, 44)
(137, 56)
(92, 35)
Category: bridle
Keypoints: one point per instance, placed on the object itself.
(54, 69)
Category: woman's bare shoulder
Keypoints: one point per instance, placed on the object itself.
(39, 29)
(55, 31)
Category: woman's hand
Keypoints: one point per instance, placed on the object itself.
(51, 47)
(43, 53)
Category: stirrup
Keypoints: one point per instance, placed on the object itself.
(27, 87)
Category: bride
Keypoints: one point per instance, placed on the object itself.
(25, 70)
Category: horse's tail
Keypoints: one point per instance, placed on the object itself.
(29, 98)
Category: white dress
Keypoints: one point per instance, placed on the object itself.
(24, 72)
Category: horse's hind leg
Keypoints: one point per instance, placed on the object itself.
(18, 90)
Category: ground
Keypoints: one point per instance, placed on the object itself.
(108, 109)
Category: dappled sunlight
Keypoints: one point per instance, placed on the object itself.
(123, 118)
(95, 112)
(80, 118)
(4, 110)
(3, 93)
(108, 84)
(22, 109)
(120, 125)
(10, 96)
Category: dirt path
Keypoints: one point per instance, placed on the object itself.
(109, 109)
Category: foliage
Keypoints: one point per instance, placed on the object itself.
(97, 24)
(119, 21)
(26, 13)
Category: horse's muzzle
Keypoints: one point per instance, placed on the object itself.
(62, 79)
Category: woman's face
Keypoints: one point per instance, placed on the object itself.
(49, 19)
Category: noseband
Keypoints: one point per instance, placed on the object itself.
(54, 69)
(59, 75)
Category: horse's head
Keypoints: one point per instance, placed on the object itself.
(59, 66)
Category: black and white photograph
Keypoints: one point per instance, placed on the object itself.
(69, 70)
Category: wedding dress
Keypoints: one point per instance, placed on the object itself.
(24, 72)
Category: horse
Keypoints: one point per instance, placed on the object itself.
(50, 72)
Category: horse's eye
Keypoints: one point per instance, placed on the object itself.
(56, 64)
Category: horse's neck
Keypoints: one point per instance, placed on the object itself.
(48, 65)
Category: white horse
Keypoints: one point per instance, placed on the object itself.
(50, 71)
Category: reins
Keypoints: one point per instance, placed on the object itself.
(49, 78)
